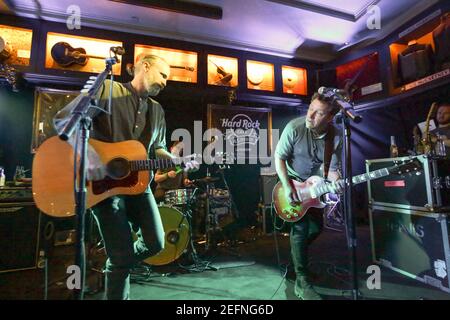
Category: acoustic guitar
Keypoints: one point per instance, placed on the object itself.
(310, 191)
(127, 173)
(65, 55)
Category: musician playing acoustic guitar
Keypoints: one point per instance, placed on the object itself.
(300, 154)
(134, 115)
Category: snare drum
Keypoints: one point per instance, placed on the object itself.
(178, 197)
(176, 229)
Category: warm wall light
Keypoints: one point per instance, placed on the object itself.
(294, 80)
(17, 45)
(260, 75)
(222, 71)
(96, 50)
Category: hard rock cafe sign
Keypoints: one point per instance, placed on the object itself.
(241, 129)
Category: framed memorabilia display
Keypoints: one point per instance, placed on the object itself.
(260, 76)
(222, 71)
(294, 80)
(15, 45)
(47, 102)
(183, 64)
(74, 53)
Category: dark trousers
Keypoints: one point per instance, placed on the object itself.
(114, 216)
(303, 233)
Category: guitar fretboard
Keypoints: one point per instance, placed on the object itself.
(152, 164)
(323, 188)
(370, 176)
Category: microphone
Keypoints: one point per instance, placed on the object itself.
(339, 98)
(117, 50)
(330, 92)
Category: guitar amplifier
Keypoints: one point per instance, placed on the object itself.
(15, 194)
(427, 191)
(19, 236)
(413, 243)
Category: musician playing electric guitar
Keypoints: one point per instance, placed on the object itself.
(300, 154)
(134, 115)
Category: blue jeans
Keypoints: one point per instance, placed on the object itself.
(114, 216)
(303, 233)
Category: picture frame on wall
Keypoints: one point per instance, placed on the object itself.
(244, 134)
(47, 102)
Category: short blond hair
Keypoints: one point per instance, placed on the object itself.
(150, 58)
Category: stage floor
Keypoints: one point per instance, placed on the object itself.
(252, 268)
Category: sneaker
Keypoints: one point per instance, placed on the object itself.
(304, 290)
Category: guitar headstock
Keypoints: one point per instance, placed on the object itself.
(413, 166)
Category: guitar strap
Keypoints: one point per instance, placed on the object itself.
(328, 152)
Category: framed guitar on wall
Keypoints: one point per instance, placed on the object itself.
(74, 53)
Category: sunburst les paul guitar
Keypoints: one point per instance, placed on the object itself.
(127, 173)
(311, 191)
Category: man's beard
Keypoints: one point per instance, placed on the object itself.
(153, 89)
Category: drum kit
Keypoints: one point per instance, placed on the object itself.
(187, 213)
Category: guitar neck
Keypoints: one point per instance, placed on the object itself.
(76, 54)
(323, 188)
(370, 176)
(152, 164)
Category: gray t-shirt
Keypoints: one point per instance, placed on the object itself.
(304, 154)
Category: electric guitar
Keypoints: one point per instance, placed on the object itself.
(127, 173)
(310, 191)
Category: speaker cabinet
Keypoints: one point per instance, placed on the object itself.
(19, 225)
(25, 231)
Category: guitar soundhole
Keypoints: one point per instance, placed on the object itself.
(118, 168)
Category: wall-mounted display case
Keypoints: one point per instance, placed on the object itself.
(183, 63)
(15, 45)
(47, 102)
(75, 53)
(260, 76)
(222, 71)
(294, 80)
(421, 54)
(360, 77)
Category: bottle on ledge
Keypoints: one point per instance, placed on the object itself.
(2, 177)
(393, 148)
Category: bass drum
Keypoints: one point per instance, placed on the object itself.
(176, 228)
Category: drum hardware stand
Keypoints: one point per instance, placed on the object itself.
(194, 255)
(210, 221)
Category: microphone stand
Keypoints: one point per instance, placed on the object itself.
(344, 117)
(81, 121)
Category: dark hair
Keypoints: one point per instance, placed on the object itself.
(444, 103)
(327, 100)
